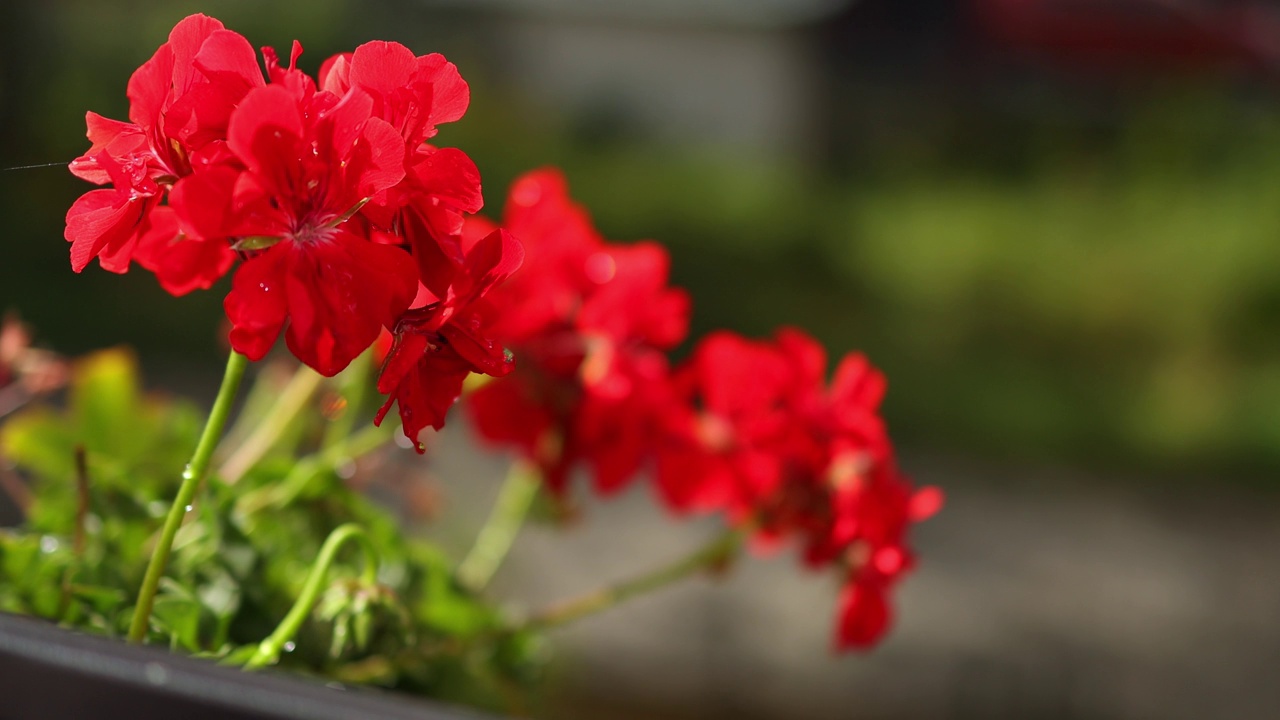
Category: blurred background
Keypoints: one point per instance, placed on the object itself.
(1055, 224)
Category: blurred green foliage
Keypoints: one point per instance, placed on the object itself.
(1098, 287)
(238, 566)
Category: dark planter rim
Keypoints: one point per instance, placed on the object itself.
(48, 672)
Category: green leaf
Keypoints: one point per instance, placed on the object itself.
(239, 656)
(103, 600)
(40, 441)
(178, 618)
(255, 242)
(106, 402)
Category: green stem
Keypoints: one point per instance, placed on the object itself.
(292, 400)
(500, 529)
(191, 477)
(713, 555)
(269, 650)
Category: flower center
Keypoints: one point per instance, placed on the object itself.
(312, 232)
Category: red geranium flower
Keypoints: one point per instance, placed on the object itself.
(309, 160)
(415, 95)
(444, 339)
(180, 100)
(757, 434)
(590, 322)
(735, 429)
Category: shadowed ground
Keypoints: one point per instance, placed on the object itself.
(1038, 596)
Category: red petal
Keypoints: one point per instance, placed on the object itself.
(168, 71)
(382, 67)
(204, 202)
(256, 305)
(265, 132)
(857, 383)
(381, 153)
(925, 503)
(408, 349)
(863, 617)
(185, 41)
(438, 262)
(335, 73)
(344, 122)
(450, 94)
(102, 221)
(425, 380)
(181, 263)
(340, 293)
(117, 139)
(149, 87)
(630, 300)
(449, 175)
(491, 261)
(226, 57)
(228, 63)
(484, 354)
(505, 412)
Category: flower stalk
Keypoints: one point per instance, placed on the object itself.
(501, 528)
(710, 557)
(191, 478)
(269, 650)
(293, 399)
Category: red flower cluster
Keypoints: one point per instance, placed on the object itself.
(590, 322)
(755, 432)
(348, 224)
(341, 213)
(747, 428)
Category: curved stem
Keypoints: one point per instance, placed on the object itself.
(292, 400)
(191, 477)
(722, 549)
(500, 529)
(269, 650)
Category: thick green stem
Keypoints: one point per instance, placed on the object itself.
(713, 555)
(500, 529)
(292, 400)
(191, 477)
(269, 650)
